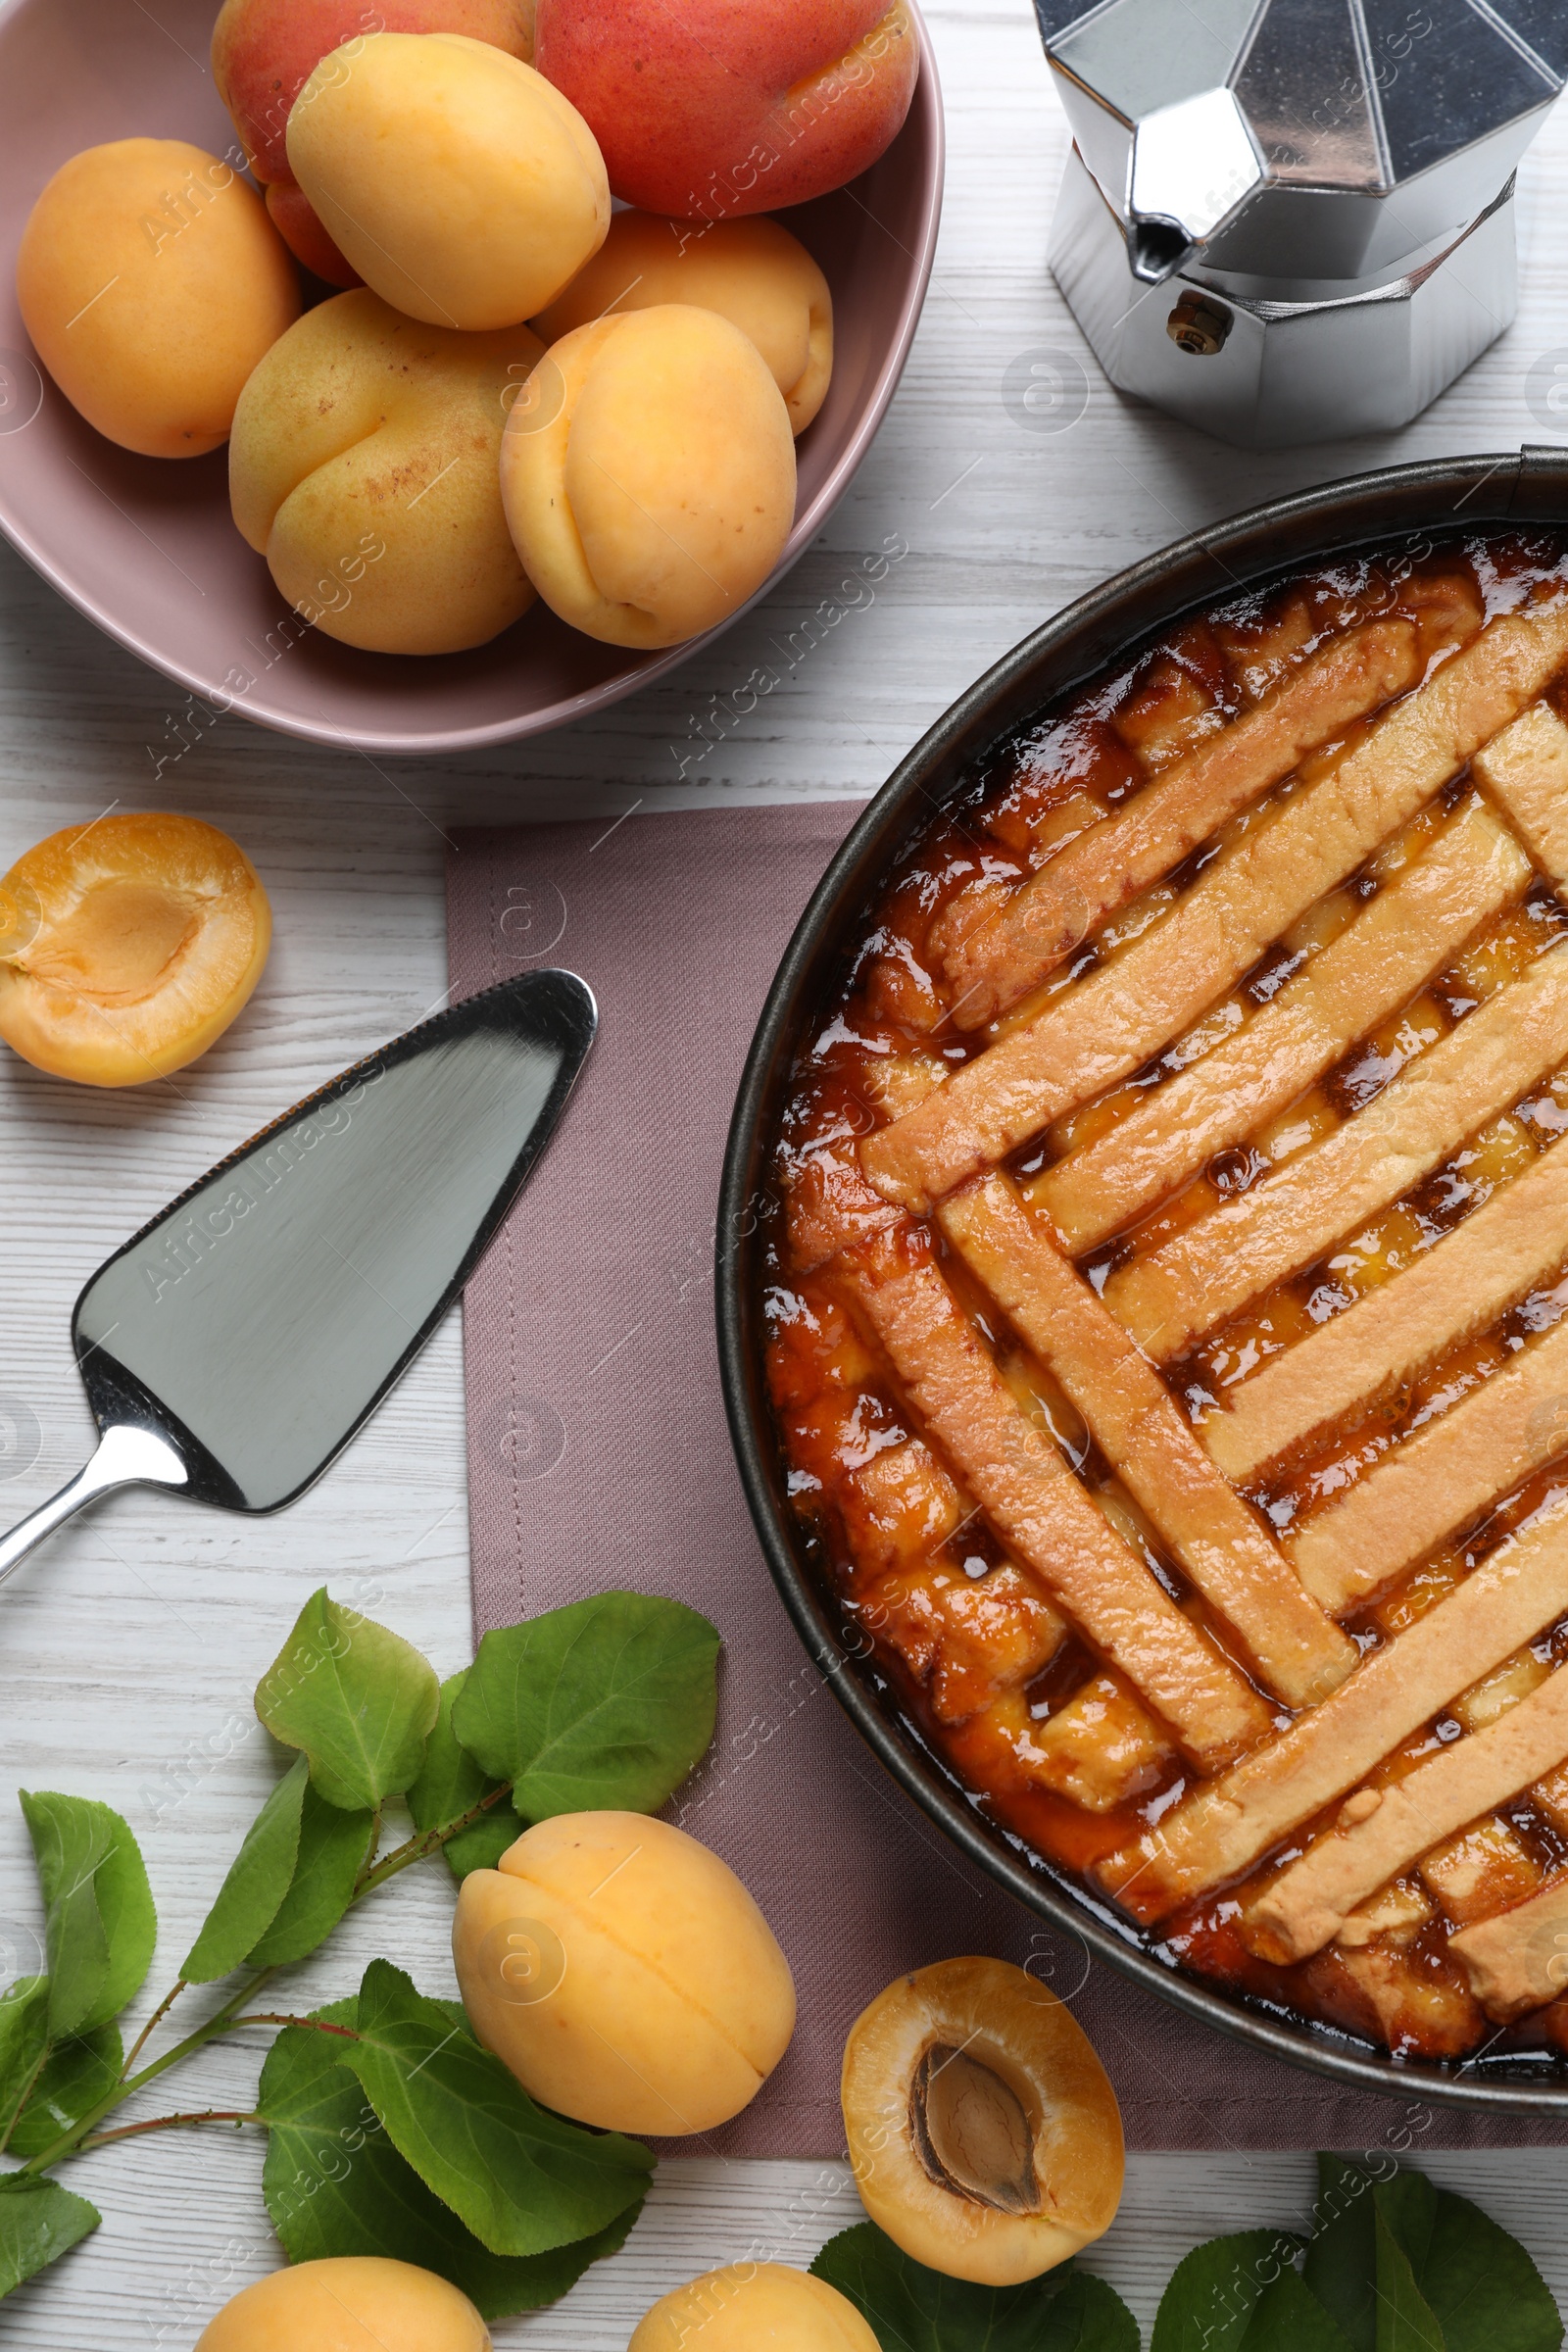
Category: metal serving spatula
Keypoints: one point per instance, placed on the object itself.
(235, 1345)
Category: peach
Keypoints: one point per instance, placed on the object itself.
(648, 474)
(129, 944)
(363, 467)
(347, 2303)
(752, 272)
(984, 2133)
(623, 1974)
(265, 51)
(456, 179)
(150, 283)
(732, 106)
(754, 2307)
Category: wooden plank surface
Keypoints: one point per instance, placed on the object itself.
(129, 1650)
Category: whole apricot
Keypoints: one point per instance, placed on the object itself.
(150, 283)
(713, 109)
(363, 467)
(265, 51)
(648, 474)
(984, 2133)
(623, 1974)
(752, 272)
(127, 947)
(754, 2307)
(348, 2303)
(455, 179)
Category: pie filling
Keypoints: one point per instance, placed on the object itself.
(1168, 1315)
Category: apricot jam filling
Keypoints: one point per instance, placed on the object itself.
(1168, 1311)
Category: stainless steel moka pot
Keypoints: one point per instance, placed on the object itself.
(1291, 221)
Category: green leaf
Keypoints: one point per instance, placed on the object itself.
(335, 2184)
(39, 2221)
(1289, 2318)
(334, 1849)
(452, 1784)
(1406, 2322)
(100, 1922)
(24, 2042)
(1341, 2256)
(912, 2309)
(360, 1702)
(1402, 2263)
(79, 2075)
(1482, 2288)
(1243, 2294)
(605, 1704)
(521, 2178)
(259, 1877)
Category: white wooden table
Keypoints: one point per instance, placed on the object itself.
(129, 1648)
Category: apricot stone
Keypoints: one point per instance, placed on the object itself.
(752, 272)
(363, 467)
(648, 474)
(265, 51)
(127, 947)
(150, 283)
(349, 2303)
(456, 179)
(623, 1974)
(754, 2307)
(985, 2137)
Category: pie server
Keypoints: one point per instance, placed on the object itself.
(233, 1346)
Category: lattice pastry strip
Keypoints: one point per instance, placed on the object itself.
(1000, 961)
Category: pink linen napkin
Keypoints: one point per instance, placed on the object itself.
(599, 1455)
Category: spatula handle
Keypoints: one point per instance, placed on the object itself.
(125, 1458)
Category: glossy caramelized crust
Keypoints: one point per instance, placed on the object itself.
(1166, 1313)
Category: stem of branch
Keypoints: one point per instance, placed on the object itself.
(156, 2019)
(368, 1864)
(426, 1843)
(170, 2123)
(311, 2025)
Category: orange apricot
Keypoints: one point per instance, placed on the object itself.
(127, 947)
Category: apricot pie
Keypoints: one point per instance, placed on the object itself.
(1167, 1324)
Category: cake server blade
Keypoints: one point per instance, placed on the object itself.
(233, 1346)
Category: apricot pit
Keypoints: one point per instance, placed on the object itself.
(984, 2133)
(127, 947)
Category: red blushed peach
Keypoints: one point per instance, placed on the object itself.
(724, 107)
(265, 51)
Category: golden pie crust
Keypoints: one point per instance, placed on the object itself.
(1169, 1318)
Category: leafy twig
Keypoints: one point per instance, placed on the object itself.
(70, 2142)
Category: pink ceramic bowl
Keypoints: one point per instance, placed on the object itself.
(145, 547)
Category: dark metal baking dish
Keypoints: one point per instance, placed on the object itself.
(1435, 498)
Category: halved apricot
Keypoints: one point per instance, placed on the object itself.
(127, 947)
(985, 2136)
